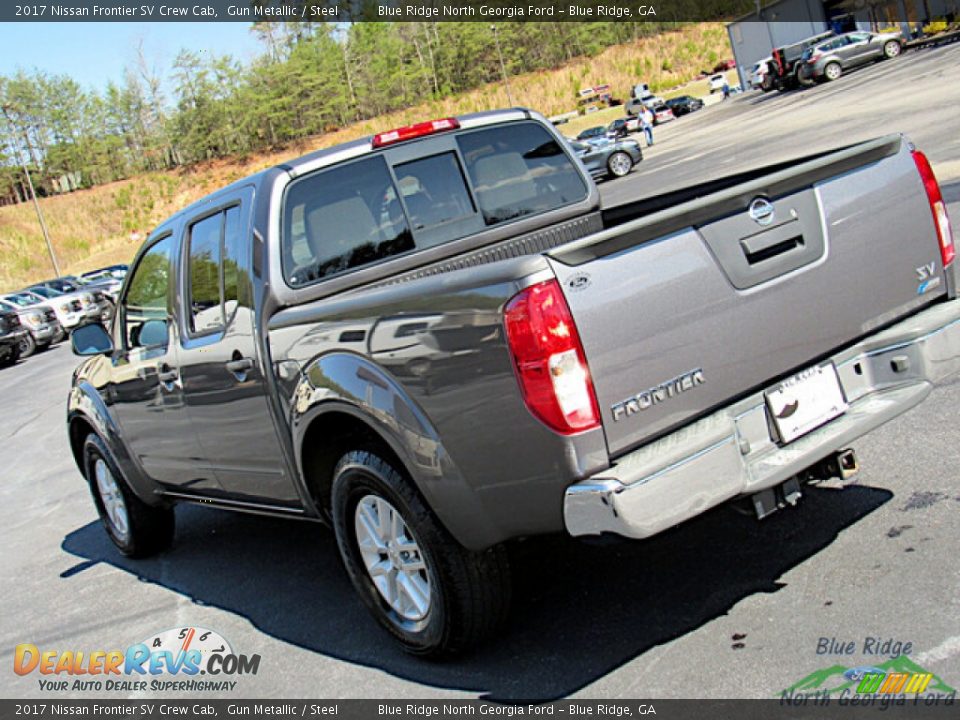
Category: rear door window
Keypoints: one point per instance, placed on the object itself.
(519, 171)
(205, 315)
(215, 248)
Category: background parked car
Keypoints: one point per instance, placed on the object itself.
(619, 128)
(40, 321)
(684, 104)
(760, 76)
(118, 271)
(608, 158)
(103, 280)
(830, 59)
(11, 334)
(61, 284)
(717, 82)
(95, 304)
(89, 294)
(662, 114)
(72, 309)
(648, 101)
(598, 131)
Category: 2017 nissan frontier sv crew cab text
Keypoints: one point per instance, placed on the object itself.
(437, 341)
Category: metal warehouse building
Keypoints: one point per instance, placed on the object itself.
(753, 36)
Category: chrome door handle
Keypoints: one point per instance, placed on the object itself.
(166, 374)
(240, 365)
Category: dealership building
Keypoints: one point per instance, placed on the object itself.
(753, 36)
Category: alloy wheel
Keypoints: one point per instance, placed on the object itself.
(114, 506)
(393, 558)
(620, 164)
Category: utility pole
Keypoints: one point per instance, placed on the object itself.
(33, 194)
(503, 68)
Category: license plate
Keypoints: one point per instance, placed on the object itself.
(806, 401)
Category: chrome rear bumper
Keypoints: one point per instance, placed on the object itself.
(731, 452)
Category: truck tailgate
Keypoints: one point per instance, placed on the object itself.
(685, 310)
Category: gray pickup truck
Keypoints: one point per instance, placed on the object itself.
(437, 341)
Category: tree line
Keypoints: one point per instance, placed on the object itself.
(310, 78)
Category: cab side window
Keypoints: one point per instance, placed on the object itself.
(146, 305)
(214, 248)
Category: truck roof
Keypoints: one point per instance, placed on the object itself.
(333, 155)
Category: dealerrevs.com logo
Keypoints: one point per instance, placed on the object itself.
(173, 660)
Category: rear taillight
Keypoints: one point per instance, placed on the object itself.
(550, 363)
(941, 221)
(409, 132)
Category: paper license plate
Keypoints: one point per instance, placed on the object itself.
(806, 401)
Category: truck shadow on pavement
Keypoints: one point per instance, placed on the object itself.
(579, 612)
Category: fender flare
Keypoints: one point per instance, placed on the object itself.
(86, 405)
(351, 384)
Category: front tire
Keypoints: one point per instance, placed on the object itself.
(137, 529)
(891, 49)
(619, 164)
(27, 346)
(432, 594)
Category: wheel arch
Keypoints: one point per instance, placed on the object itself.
(88, 413)
(344, 402)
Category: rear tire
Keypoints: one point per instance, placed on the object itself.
(832, 71)
(137, 529)
(891, 49)
(429, 592)
(27, 346)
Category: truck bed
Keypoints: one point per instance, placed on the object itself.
(703, 295)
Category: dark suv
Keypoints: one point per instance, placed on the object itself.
(11, 335)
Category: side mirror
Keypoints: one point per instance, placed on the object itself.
(90, 340)
(153, 333)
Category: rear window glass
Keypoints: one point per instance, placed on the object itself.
(519, 171)
(433, 191)
(341, 219)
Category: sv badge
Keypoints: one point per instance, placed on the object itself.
(927, 277)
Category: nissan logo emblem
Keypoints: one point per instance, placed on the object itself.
(761, 211)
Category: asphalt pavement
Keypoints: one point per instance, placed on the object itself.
(721, 607)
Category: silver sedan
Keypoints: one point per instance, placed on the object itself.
(831, 58)
(608, 158)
